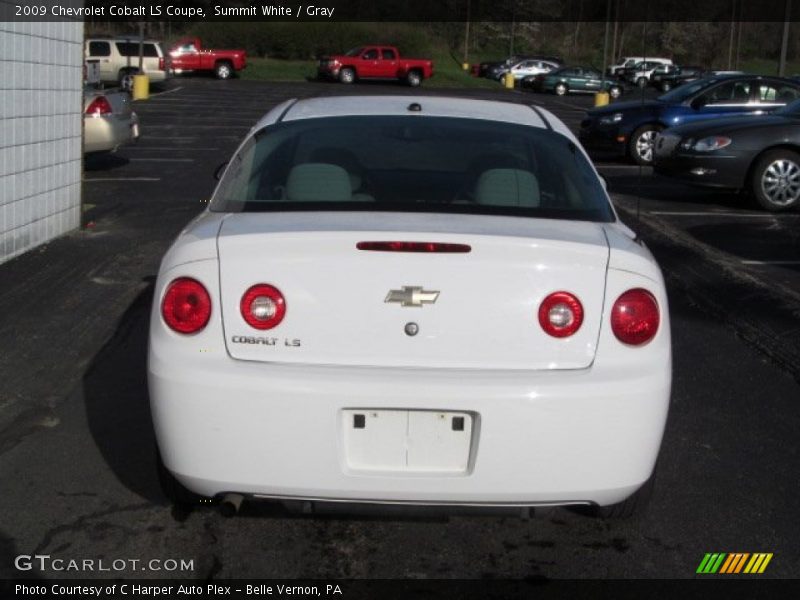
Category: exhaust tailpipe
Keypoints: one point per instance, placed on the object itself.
(230, 505)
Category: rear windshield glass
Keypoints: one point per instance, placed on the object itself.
(412, 164)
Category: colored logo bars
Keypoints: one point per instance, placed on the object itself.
(736, 562)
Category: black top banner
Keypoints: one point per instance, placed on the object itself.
(401, 10)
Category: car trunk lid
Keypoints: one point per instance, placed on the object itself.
(476, 309)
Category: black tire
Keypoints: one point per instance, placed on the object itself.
(775, 180)
(173, 489)
(642, 82)
(561, 89)
(223, 70)
(615, 91)
(666, 86)
(633, 505)
(347, 75)
(414, 78)
(125, 79)
(641, 144)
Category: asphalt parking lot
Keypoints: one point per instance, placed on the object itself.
(79, 448)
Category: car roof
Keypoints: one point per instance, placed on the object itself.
(431, 106)
(119, 38)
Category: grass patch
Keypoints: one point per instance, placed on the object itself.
(761, 66)
(447, 72)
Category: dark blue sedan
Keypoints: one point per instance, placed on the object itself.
(630, 128)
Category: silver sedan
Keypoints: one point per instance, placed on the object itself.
(108, 121)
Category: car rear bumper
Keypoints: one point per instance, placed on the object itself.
(106, 134)
(277, 431)
(707, 171)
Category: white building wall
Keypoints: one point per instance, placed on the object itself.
(41, 104)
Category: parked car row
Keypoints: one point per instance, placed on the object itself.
(118, 59)
(738, 132)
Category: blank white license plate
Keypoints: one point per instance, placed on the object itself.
(407, 440)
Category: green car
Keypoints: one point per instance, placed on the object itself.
(574, 79)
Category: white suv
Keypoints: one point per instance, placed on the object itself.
(628, 62)
(641, 72)
(118, 60)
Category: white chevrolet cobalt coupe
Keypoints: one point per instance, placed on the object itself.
(410, 300)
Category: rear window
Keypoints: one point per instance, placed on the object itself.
(132, 49)
(412, 164)
(99, 49)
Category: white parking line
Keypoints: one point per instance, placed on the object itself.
(607, 166)
(193, 126)
(166, 92)
(186, 137)
(718, 214)
(771, 262)
(168, 148)
(149, 159)
(122, 179)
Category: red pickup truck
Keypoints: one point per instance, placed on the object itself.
(189, 55)
(374, 62)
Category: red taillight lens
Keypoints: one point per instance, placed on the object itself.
(414, 247)
(99, 106)
(186, 307)
(160, 63)
(635, 317)
(263, 306)
(560, 314)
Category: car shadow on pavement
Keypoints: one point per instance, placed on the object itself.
(664, 189)
(103, 161)
(117, 402)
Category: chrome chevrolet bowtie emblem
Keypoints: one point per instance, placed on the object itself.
(411, 296)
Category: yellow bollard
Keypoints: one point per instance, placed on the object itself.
(509, 81)
(141, 87)
(601, 99)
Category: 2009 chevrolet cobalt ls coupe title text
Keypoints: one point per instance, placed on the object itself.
(410, 301)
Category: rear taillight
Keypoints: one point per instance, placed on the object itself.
(186, 307)
(635, 317)
(263, 306)
(160, 63)
(414, 247)
(560, 314)
(99, 106)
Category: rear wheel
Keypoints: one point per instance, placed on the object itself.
(126, 79)
(642, 143)
(414, 78)
(776, 180)
(347, 75)
(666, 86)
(561, 89)
(633, 505)
(615, 91)
(642, 82)
(223, 70)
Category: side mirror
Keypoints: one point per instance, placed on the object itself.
(699, 102)
(220, 170)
